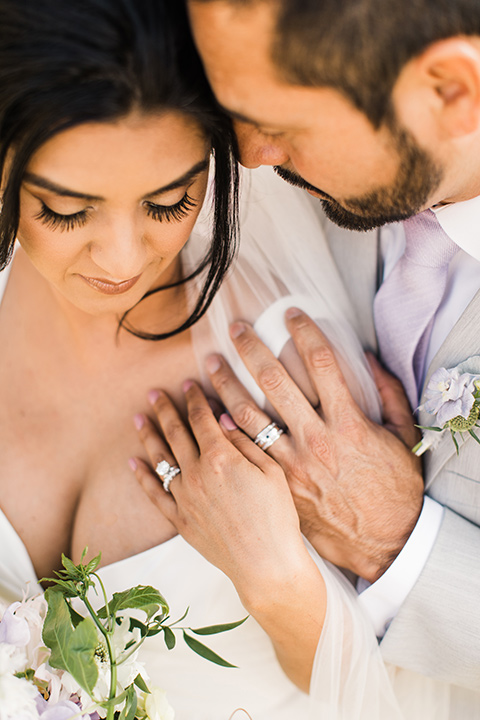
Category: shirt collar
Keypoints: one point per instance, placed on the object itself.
(461, 222)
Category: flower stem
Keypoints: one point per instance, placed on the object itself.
(111, 655)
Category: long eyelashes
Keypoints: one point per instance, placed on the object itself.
(160, 213)
(171, 213)
(61, 222)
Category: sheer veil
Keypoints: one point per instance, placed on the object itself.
(284, 260)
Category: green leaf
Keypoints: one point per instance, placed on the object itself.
(71, 569)
(455, 442)
(115, 700)
(75, 617)
(141, 597)
(130, 708)
(170, 638)
(182, 618)
(154, 630)
(140, 683)
(213, 629)
(474, 435)
(134, 623)
(205, 652)
(430, 427)
(68, 588)
(93, 564)
(71, 650)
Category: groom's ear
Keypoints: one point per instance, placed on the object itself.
(438, 92)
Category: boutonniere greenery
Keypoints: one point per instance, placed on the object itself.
(454, 398)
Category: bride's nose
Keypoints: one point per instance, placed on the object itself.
(121, 251)
(258, 149)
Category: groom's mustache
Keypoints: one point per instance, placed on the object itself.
(297, 181)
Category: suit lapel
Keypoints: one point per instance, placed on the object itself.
(461, 343)
(357, 258)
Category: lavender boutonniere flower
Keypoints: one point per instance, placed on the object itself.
(454, 398)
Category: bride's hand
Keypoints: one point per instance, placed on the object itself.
(231, 501)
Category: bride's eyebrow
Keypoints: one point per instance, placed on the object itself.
(51, 186)
(183, 180)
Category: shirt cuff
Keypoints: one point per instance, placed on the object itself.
(382, 599)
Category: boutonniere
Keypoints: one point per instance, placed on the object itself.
(454, 398)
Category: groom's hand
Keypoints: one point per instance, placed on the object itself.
(357, 486)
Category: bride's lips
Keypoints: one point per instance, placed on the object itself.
(107, 287)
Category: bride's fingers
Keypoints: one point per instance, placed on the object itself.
(207, 432)
(156, 449)
(176, 434)
(152, 486)
(244, 444)
(240, 405)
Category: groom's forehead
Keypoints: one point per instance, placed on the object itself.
(235, 46)
(236, 49)
(220, 26)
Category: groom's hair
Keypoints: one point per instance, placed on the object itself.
(360, 46)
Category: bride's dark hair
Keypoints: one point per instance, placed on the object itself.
(78, 61)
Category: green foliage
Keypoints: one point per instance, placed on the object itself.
(72, 649)
(75, 639)
(205, 652)
(141, 597)
(214, 629)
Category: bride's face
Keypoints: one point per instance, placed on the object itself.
(105, 208)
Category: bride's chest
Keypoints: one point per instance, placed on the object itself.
(65, 441)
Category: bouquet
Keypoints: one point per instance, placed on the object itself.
(61, 659)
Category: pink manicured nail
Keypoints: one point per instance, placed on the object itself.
(187, 385)
(133, 464)
(139, 421)
(292, 313)
(153, 396)
(237, 329)
(227, 422)
(213, 364)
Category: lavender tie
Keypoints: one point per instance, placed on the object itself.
(407, 301)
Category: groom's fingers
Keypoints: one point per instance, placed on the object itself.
(282, 392)
(272, 378)
(396, 410)
(322, 367)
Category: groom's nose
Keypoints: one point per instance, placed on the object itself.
(256, 148)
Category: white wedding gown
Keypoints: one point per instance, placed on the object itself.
(284, 260)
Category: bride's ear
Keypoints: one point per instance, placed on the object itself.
(437, 94)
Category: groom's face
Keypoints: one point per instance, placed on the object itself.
(314, 137)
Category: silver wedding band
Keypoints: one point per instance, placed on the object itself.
(166, 473)
(268, 436)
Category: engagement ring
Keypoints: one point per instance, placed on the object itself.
(166, 473)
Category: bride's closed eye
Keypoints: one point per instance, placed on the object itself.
(55, 220)
(160, 213)
(171, 213)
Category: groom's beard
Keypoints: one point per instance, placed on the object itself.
(417, 179)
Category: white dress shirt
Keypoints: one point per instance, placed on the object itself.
(461, 222)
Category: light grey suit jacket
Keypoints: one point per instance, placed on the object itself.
(437, 630)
